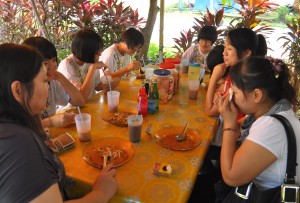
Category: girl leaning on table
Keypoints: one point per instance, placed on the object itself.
(260, 88)
(82, 66)
(61, 91)
(30, 172)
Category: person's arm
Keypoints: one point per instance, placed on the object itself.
(134, 65)
(76, 98)
(59, 120)
(187, 54)
(240, 165)
(104, 187)
(211, 108)
(87, 85)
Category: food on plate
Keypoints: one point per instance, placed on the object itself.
(162, 169)
(117, 118)
(113, 154)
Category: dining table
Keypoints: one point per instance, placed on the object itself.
(136, 180)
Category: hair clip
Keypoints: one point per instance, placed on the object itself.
(277, 65)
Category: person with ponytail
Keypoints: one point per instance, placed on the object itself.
(258, 150)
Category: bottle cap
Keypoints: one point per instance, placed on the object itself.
(167, 65)
(162, 72)
(195, 64)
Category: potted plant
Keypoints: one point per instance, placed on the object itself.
(292, 47)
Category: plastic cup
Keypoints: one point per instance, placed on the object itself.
(135, 127)
(113, 100)
(83, 126)
(149, 73)
(193, 89)
(185, 66)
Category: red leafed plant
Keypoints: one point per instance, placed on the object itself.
(13, 16)
(61, 18)
(209, 19)
(185, 41)
(249, 11)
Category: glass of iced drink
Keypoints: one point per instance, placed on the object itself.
(83, 125)
(135, 123)
(113, 100)
(193, 89)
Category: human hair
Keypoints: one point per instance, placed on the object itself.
(258, 72)
(44, 46)
(19, 63)
(243, 39)
(86, 44)
(215, 57)
(133, 38)
(208, 32)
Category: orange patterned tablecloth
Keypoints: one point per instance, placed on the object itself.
(135, 179)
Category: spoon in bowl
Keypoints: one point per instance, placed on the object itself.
(181, 137)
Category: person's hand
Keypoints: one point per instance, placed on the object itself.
(57, 75)
(134, 65)
(217, 97)
(228, 111)
(62, 119)
(105, 183)
(219, 71)
(113, 82)
(100, 65)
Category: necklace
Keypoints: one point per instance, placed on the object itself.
(80, 72)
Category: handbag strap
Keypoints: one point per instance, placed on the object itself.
(292, 149)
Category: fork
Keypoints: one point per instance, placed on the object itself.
(149, 128)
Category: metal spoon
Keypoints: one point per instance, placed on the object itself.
(181, 137)
(149, 128)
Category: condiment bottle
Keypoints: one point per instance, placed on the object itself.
(142, 101)
(147, 81)
(194, 71)
(151, 99)
(165, 84)
(174, 73)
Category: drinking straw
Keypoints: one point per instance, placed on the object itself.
(143, 69)
(80, 114)
(143, 61)
(139, 106)
(108, 82)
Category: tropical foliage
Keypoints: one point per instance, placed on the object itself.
(292, 41)
(186, 37)
(184, 41)
(249, 12)
(292, 47)
(59, 19)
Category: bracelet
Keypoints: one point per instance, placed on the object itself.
(229, 129)
(50, 122)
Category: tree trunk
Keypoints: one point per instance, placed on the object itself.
(41, 24)
(148, 29)
(296, 5)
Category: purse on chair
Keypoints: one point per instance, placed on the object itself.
(287, 192)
